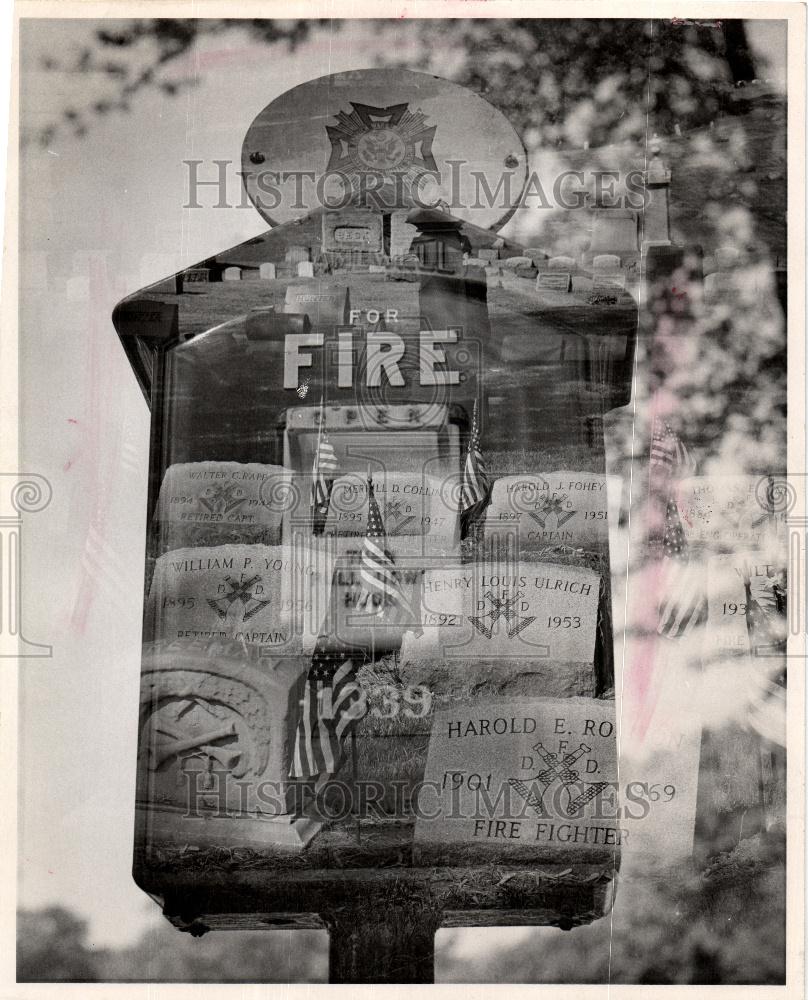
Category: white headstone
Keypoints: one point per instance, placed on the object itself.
(411, 504)
(725, 513)
(606, 262)
(267, 272)
(514, 262)
(561, 263)
(231, 274)
(535, 773)
(305, 269)
(727, 633)
(209, 503)
(253, 594)
(558, 508)
(509, 611)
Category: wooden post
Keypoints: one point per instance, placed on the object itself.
(382, 944)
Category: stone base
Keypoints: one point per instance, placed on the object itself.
(155, 827)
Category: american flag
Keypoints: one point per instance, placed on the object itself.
(474, 485)
(380, 584)
(669, 452)
(332, 703)
(324, 473)
(685, 602)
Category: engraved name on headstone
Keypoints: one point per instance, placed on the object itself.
(259, 595)
(327, 306)
(723, 512)
(536, 776)
(411, 504)
(504, 610)
(559, 281)
(731, 623)
(556, 508)
(202, 503)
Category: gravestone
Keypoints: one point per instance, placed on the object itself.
(520, 261)
(377, 269)
(210, 503)
(605, 262)
(605, 282)
(561, 263)
(231, 274)
(528, 272)
(325, 305)
(536, 254)
(235, 592)
(559, 281)
(414, 506)
(305, 269)
(488, 254)
(533, 778)
(215, 745)
(727, 631)
(266, 272)
(558, 508)
(508, 612)
(723, 513)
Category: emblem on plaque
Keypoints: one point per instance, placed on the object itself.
(549, 506)
(501, 607)
(222, 498)
(369, 139)
(239, 593)
(533, 792)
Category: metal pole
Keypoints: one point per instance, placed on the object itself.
(382, 943)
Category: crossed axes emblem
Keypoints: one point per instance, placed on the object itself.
(501, 608)
(239, 592)
(551, 505)
(393, 511)
(561, 770)
(221, 495)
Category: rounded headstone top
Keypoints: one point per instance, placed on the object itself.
(385, 138)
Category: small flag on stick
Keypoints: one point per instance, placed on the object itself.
(324, 473)
(333, 702)
(669, 452)
(684, 604)
(381, 590)
(474, 485)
